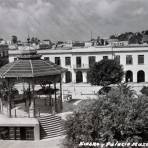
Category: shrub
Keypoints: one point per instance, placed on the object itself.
(105, 72)
(144, 90)
(119, 116)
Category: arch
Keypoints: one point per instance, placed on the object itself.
(140, 76)
(79, 77)
(68, 77)
(129, 76)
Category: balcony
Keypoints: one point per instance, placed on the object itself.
(82, 67)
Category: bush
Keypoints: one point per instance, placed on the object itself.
(144, 90)
(105, 72)
(119, 116)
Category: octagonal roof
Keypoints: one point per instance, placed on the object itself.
(30, 64)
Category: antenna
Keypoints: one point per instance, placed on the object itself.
(91, 35)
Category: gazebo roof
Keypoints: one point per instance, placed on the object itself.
(29, 64)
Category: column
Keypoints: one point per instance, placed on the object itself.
(9, 99)
(55, 94)
(146, 74)
(73, 76)
(32, 105)
(61, 96)
(37, 132)
(50, 101)
(63, 77)
(84, 77)
(135, 76)
(123, 80)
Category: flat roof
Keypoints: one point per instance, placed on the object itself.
(23, 122)
(95, 49)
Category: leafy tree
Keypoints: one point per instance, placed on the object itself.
(14, 39)
(115, 117)
(144, 90)
(136, 38)
(35, 40)
(105, 72)
(113, 37)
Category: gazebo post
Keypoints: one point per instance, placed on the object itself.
(9, 98)
(50, 98)
(33, 99)
(55, 101)
(61, 103)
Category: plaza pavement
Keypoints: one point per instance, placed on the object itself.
(48, 143)
(85, 90)
(78, 91)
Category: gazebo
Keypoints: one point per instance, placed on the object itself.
(31, 69)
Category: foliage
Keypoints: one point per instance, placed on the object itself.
(14, 39)
(144, 90)
(115, 117)
(3, 61)
(125, 89)
(46, 91)
(132, 38)
(136, 38)
(105, 72)
(35, 40)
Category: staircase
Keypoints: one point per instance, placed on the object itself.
(51, 126)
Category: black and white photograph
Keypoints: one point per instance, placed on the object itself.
(73, 73)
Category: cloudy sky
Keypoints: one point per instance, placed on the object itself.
(71, 19)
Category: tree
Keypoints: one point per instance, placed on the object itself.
(136, 38)
(105, 72)
(116, 117)
(14, 39)
(144, 90)
(35, 40)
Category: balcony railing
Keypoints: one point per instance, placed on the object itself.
(82, 66)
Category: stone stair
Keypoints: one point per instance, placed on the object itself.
(51, 126)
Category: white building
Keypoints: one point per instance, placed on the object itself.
(78, 60)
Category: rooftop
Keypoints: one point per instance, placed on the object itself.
(18, 121)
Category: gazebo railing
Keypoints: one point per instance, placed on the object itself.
(30, 114)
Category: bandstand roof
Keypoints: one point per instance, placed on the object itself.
(30, 64)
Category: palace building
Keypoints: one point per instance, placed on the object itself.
(78, 60)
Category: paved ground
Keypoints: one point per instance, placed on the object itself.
(48, 143)
(85, 90)
(82, 91)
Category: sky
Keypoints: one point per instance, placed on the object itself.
(71, 19)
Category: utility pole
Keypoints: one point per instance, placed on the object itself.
(91, 35)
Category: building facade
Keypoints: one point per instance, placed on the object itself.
(78, 60)
(3, 54)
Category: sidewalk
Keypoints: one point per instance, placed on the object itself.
(47, 143)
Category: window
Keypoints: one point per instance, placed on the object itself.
(67, 61)
(129, 59)
(117, 58)
(46, 58)
(29, 133)
(15, 59)
(57, 61)
(6, 53)
(105, 57)
(92, 60)
(78, 61)
(140, 59)
(2, 53)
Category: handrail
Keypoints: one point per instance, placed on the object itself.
(36, 110)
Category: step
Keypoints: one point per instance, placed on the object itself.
(51, 126)
(56, 135)
(50, 121)
(52, 131)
